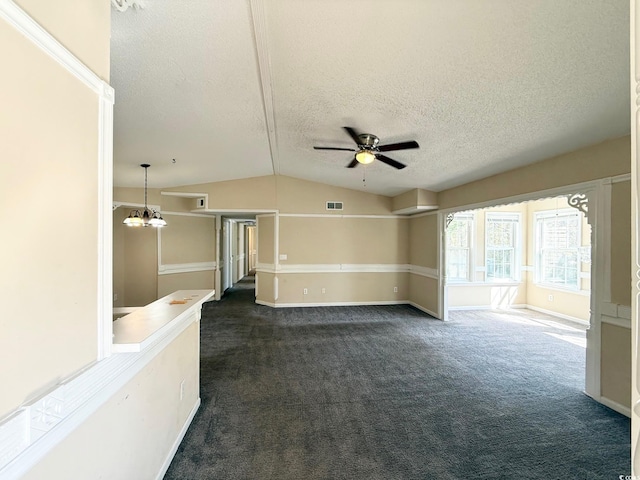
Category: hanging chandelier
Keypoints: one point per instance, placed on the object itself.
(147, 217)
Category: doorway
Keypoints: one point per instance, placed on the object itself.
(592, 200)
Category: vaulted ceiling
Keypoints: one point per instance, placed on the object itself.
(233, 89)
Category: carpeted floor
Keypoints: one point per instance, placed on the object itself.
(389, 393)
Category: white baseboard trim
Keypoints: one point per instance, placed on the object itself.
(607, 402)
(333, 304)
(425, 310)
(176, 444)
(559, 315)
(266, 304)
(521, 306)
(486, 307)
(348, 304)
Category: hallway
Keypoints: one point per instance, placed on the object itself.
(387, 392)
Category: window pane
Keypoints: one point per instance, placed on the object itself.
(558, 246)
(501, 234)
(458, 241)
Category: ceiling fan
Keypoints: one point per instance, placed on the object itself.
(368, 149)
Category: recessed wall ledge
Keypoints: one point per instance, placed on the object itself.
(414, 201)
(142, 327)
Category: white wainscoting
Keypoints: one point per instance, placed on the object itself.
(171, 268)
(285, 269)
(347, 268)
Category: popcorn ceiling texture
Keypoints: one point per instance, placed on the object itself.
(484, 87)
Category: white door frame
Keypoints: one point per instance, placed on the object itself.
(635, 234)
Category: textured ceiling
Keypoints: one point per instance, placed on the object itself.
(234, 89)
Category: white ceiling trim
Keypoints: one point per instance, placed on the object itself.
(258, 19)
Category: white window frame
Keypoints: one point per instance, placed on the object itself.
(516, 219)
(540, 217)
(469, 217)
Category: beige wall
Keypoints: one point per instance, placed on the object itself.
(340, 240)
(131, 435)
(167, 284)
(615, 359)
(352, 287)
(621, 243)
(301, 196)
(265, 287)
(414, 200)
(606, 159)
(82, 26)
(188, 239)
(251, 194)
(49, 143)
(118, 256)
(266, 238)
(423, 241)
(424, 252)
(140, 266)
(423, 292)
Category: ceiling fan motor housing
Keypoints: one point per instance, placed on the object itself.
(368, 141)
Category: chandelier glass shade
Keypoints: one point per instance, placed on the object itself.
(146, 217)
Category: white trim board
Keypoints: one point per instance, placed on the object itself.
(184, 194)
(462, 308)
(342, 215)
(583, 187)
(347, 268)
(607, 402)
(346, 304)
(172, 268)
(188, 214)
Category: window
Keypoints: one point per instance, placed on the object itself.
(558, 248)
(459, 247)
(501, 240)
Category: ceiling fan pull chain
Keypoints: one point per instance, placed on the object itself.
(364, 176)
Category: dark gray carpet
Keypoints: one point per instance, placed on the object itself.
(390, 393)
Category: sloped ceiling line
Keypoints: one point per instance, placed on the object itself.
(259, 22)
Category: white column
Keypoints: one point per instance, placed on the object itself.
(635, 255)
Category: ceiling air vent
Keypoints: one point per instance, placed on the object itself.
(334, 205)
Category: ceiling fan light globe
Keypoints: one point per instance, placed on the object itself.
(365, 157)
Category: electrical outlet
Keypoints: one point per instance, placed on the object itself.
(305, 291)
(551, 298)
(181, 389)
(395, 289)
(324, 290)
(115, 297)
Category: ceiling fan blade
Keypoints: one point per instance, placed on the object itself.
(334, 148)
(391, 162)
(352, 133)
(353, 163)
(398, 146)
